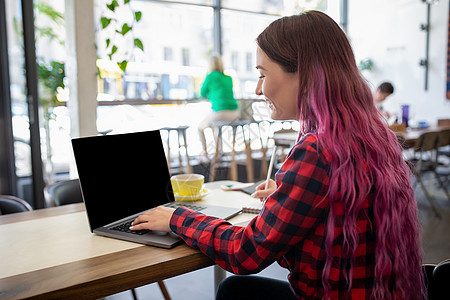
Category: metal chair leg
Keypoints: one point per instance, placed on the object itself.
(442, 185)
(429, 197)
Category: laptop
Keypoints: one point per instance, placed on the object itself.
(121, 176)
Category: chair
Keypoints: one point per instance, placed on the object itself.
(11, 204)
(427, 270)
(425, 161)
(443, 122)
(443, 154)
(63, 193)
(181, 132)
(437, 278)
(235, 125)
(285, 139)
(68, 192)
(441, 277)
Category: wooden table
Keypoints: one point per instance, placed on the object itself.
(412, 135)
(52, 254)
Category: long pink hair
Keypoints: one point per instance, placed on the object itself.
(336, 103)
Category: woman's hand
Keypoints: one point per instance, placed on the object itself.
(157, 219)
(261, 191)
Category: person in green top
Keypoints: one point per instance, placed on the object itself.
(218, 88)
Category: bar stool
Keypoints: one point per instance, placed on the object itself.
(218, 127)
(264, 137)
(181, 132)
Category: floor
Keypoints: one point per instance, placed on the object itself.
(198, 285)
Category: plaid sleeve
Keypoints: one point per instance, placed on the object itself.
(289, 215)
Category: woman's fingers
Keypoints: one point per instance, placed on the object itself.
(262, 193)
(156, 219)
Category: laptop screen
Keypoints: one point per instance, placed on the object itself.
(121, 175)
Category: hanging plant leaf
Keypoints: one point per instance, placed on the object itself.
(119, 27)
(47, 32)
(50, 12)
(137, 16)
(105, 22)
(138, 44)
(125, 29)
(123, 65)
(113, 5)
(113, 50)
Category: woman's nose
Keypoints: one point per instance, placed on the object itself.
(258, 90)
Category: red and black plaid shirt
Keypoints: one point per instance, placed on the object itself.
(291, 230)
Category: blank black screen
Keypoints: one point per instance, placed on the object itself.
(121, 175)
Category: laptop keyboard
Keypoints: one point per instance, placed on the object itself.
(125, 227)
(194, 207)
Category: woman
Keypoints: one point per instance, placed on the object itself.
(342, 215)
(218, 88)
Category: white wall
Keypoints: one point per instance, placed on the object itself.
(388, 32)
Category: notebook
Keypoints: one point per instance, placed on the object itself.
(252, 188)
(123, 175)
(255, 206)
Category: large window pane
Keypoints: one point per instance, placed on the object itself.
(20, 120)
(239, 32)
(51, 56)
(177, 41)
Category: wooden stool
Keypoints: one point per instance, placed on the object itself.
(181, 131)
(218, 126)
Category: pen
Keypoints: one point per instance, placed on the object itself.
(269, 172)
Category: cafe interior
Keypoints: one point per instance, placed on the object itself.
(79, 68)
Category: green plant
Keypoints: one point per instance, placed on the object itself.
(365, 64)
(51, 73)
(115, 25)
(51, 77)
(56, 18)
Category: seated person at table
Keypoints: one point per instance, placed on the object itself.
(341, 215)
(218, 88)
(383, 91)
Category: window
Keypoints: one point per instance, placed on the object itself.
(235, 60)
(185, 57)
(240, 30)
(168, 54)
(177, 42)
(178, 38)
(249, 61)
